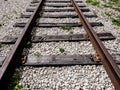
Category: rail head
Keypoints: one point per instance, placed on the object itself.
(11, 61)
(109, 64)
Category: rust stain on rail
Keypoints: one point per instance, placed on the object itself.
(11, 60)
(109, 64)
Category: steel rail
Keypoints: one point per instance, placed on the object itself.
(109, 64)
(11, 61)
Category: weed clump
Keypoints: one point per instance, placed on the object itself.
(15, 12)
(66, 27)
(116, 21)
(62, 50)
(93, 2)
(37, 54)
(14, 82)
(29, 44)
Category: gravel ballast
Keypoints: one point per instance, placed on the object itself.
(59, 31)
(70, 48)
(68, 77)
(10, 11)
(65, 78)
(59, 78)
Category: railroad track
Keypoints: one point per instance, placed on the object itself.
(19, 54)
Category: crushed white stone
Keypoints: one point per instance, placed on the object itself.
(65, 78)
(10, 11)
(70, 48)
(74, 77)
(4, 50)
(59, 20)
(60, 13)
(65, 20)
(59, 78)
(69, 77)
(59, 31)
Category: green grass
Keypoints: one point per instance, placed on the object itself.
(93, 2)
(66, 27)
(6, 15)
(116, 21)
(106, 5)
(62, 50)
(15, 12)
(108, 14)
(37, 54)
(29, 44)
(14, 82)
(113, 3)
(115, 0)
(41, 12)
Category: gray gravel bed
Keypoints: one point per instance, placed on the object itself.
(113, 46)
(22, 20)
(68, 77)
(100, 29)
(66, 13)
(58, 20)
(4, 50)
(52, 48)
(65, 20)
(46, 7)
(65, 78)
(10, 12)
(46, 3)
(58, 31)
(60, 13)
(58, 8)
(69, 3)
(9, 31)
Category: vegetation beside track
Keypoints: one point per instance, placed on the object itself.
(14, 82)
(108, 4)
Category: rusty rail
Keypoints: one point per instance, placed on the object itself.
(109, 64)
(11, 61)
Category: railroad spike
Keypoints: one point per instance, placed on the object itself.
(96, 58)
(23, 59)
